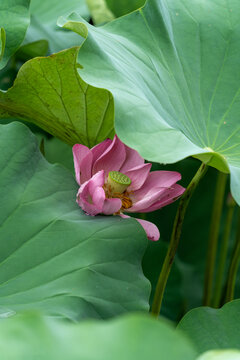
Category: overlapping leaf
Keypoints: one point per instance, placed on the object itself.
(50, 93)
(213, 329)
(14, 21)
(139, 337)
(52, 256)
(122, 7)
(173, 68)
(44, 15)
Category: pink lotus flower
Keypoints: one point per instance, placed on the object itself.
(114, 179)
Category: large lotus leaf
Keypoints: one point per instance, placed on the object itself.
(53, 257)
(28, 337)
(173, 68)
(50, 93)
(213, 328)
(14, 21)
(44, 15)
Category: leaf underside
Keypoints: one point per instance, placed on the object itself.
(173, 69)
(49, 92)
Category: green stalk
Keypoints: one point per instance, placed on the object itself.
(223, 252)
(232, 275)
(213, 237)
(176, 232)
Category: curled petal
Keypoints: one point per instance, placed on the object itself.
(169, 196)
(132, 160)
(82, 158)
(151, 229)
(111, 206)
(91, 195)
(159, 180)
(154, 189)
(138, 176)
(112, 158)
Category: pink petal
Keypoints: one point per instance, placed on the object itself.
(154, 188)
(159, 180)
(132, 160)
(151, 230)
(98, 197)
(99, 149)
(97, 179)
(172, 195)
(82, 158)
(112, 158)
(91, 195)
(111, 206)
(138, 176)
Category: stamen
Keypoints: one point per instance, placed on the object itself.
(126, 201)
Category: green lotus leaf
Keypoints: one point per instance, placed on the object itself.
(213, 328)
(14, 21)
(43, 26)
(31, 50)
(30, 336)
(53, 257)
(50, 93)
(56, 151)
(173, 69)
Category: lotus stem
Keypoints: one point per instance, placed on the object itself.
(176, 233)
(232, 274)
(213, 237)
(223, 252)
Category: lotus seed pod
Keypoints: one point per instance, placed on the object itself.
(118, 182)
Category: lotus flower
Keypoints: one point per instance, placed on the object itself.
(114, 179)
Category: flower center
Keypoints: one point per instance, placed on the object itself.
(116, 187)
(118, 182)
